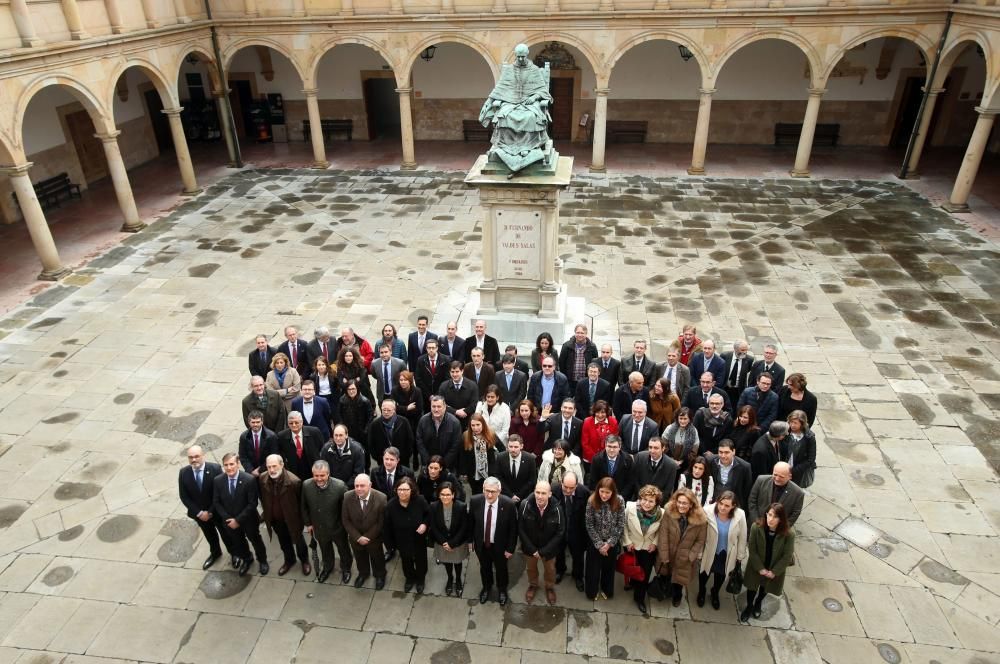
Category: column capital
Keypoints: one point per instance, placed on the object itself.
(404, 91)
(933, 91)
(707, 91)
(602, 92)
(987, 112)
(109, 137)
(172, 112)
(17, 169)
(817, 92)
(219, 94)
(310, 92)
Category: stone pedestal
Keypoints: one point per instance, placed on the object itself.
(521, 288)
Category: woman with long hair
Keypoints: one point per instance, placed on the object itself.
(497, 414)
(451, 530)
(745, 432)
(409, 401)
(596, 429)
(642, 527)
(327, 387)
(351, 369)
(544, 347)
(801, 444)
(283, 379)
(699, 480)
(772, 547)
(681, 541)
(605, 522)
(725, 545)
(681, 440)
(356, 412)
(478, 455)
(525, 423)
(663, 403)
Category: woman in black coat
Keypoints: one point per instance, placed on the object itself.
(409, 401)
(451, 530)
(405, 530)
(433, 475)
(356, 413)
(794, 396)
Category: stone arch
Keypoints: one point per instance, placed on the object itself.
(99, 115)
(323, 49)
(403, 74)
(205, 54)
(793, 38)
(8, 155)
(699, 55)
(166, 91)
(600, 72)
(232, 49)
(954, 48)
(920, 40)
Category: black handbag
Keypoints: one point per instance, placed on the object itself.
(734, 585)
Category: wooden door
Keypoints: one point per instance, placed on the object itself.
(89, 149)
(562, 108)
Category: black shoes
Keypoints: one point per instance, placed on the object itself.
(449, 588)
(360, 581)
(642, 607)
(211, 560)
(484, 596)
(579, 584)
(264, 568)
(345, 577)
(420, 588)
(244, 566)
(502, 598)
(323, 576)
(756, 611)
(389, 555)
(745, 615)
(676, 601)
(379, 582)
(715, 600)
(236, 562)
(458, 589)
(559, 577)
(408, 586)
(701, 597)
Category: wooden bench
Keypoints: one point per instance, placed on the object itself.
(626, 131)
(787, 133)
(329, 127)
(472, 130)
(51, 191)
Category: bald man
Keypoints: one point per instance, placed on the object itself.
(195, 486)
(777, 487)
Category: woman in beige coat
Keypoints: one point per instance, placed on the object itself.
(283, 379)
(642, 527)
(681, 541)
(725, 545)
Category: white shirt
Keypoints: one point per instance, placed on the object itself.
(307, 410)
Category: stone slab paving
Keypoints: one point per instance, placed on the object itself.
(888, 305)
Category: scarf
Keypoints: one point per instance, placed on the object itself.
(479, 447)
(558, 470)
(280, 376)
(682, 442)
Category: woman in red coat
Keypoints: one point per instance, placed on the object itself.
(596, 428)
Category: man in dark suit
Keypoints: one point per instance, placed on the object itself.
(519, 364)
(776, 488)
(516, 469)
(386, 369)
(675, 372)
(632, 389)
(548, 387)
(345, 456)
(638, 362)
(479, 372)
(576, 355)
(572, 496)
(364, 516)
(299, 445)
(611, 369)
(451, 344)
(489, 345)
(636, 429)
(614, 463)
(389, 431)
(260, 357)
(591, 390)
(255, 444)
(763, 399)
(708, 361)
(321, 346)
(697, 397)
(416, 342)
(494, 537)
(512, 383)
(739, 362)
(195, 484)
(564, 425)
(432, 370)
(315, 411)
(297, 351)
(732, 473)
(281, 507)
(439, 433)
(654, 467)
(770, 366)
(265, 401)
(460, 394)
(234, 502)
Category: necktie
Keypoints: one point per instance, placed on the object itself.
(420, 343)
(734, 378)
(605, 364)
(197, 478)
(487, 536)
(323, 346)
(705, 396)
(508, 382)
(294, 348)
(611, 466)
(432, 366)
(388, 480)
(636, 428)
(387, 386)
(298, 446)
(263, 357)
(477, 375)
(457, 386)
(670, 375)
(767, 368)
(513, 467)
(256, 447)
(565, 430)
(232, 485)
(364, 504)
(638, 364)
(593, 392)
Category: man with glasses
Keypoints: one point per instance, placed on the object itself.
(548, 387)
(572, 496)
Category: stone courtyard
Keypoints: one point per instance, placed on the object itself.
(887, 305)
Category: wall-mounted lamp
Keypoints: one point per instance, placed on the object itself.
(686, 53)
(428, 53)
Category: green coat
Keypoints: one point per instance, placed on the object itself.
(321, 508)
(781, 558)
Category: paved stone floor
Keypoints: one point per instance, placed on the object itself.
(888, 305)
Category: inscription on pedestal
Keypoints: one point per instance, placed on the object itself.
(519, 236)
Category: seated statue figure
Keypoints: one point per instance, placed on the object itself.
(518, 110)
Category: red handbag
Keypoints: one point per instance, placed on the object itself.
(629, 568)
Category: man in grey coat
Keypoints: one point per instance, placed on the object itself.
(322, 499)
(776, 488)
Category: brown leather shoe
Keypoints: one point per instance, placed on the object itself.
(529, 594)
(550, 596)
(307, 569)
(283, 570)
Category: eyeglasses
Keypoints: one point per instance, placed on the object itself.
(548, 366)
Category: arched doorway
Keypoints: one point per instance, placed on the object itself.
(356, 90)
(204, 116)
(572, 85)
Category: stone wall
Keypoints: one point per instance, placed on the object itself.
(137, 142)
(441, 119)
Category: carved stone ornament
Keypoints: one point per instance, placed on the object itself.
(557, 56)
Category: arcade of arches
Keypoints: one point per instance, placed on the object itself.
(94, 88)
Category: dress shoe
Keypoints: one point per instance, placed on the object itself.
(502, 598)
(559, 576)
(550, 596)
(484, 596)
(379, 582)
(449, 588)
(701, 597)
(756, 611)
(642, 607)
(459, 589)
(676, 601)
(745, 615)
(345, 578)
(210, 560)
(236, 562)
(283, 570)
(323, 576)
(360, 581)
(264, 568)
(716, 604)
(408, 586)
(420, 589)
(307, 569)
(579, 584)
(529, 594)
(389, 555)
(244, 567)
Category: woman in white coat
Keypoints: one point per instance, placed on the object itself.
(557, 461)
(642, 529)
(725, 545)
(497, 415)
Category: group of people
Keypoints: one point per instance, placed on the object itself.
(691, 467)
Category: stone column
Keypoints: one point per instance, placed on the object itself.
(406, 128)
(34, 219)
(224, 120)
(959, 199)
(499, 6)
(119, 180)
(250, 8)
(72, 13)
(181, 10)
(316, 129)
(447, 6)
(701, 132)
(25, 26)
(149, 11)
(181, 150)
(925, 124)
(600, 127)
(114, 16)
(347, 7)
(298, 8)
(396, 7)
(801, 168)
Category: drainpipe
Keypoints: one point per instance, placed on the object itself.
(236, 156)
(904, 171)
